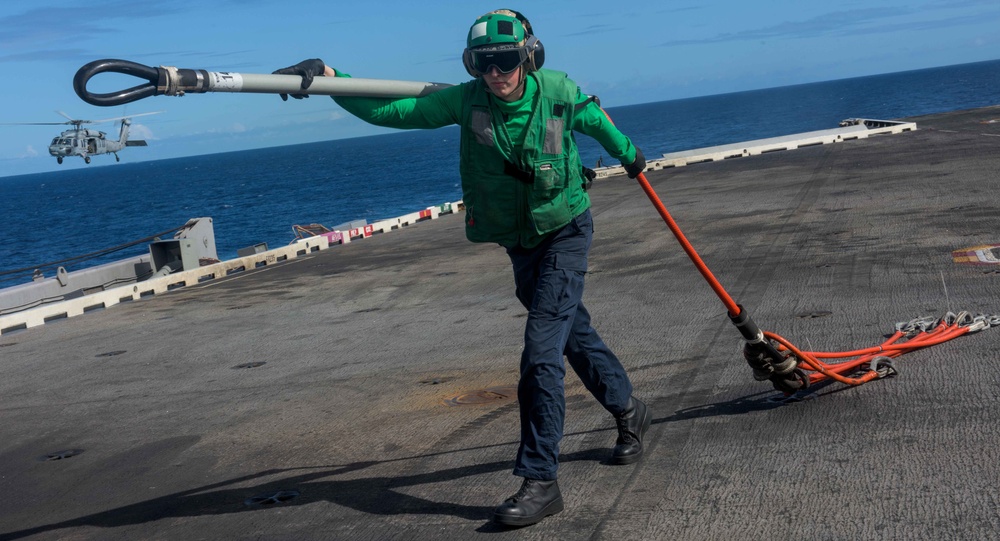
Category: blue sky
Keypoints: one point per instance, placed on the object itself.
(635, 52)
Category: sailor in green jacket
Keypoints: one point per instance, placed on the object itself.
(524, 187)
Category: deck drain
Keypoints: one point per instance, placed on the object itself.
(250, 365)
(813, 315)
(110, 353)
(59, 455)
(271, 498)
(483, 396)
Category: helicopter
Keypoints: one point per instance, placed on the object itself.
(83, 142)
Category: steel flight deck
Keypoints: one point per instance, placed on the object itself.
(365, 392)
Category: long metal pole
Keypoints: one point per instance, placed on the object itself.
(325, 86)
(171, 81)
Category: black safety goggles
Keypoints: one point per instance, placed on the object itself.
(505, 60)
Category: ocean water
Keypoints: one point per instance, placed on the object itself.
(256, 196)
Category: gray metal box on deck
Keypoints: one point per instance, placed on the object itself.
(194, 242)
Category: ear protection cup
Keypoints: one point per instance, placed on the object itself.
(536, 53)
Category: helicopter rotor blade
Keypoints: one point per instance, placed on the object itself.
(34, 123)
(77, 122)
(120, 117)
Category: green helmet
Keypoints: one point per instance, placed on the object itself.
(497, 28)
(502, 38)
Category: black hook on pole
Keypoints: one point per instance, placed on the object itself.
(154, 76)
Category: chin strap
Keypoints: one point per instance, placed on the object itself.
(521, 84)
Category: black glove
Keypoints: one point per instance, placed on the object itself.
(636, 167)
(307, 69)
(588, 177)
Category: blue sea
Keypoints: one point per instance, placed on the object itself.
(256, 196)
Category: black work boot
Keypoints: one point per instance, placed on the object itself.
(632, 426)
(535, 500)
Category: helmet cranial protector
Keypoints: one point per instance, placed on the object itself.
(501, 39)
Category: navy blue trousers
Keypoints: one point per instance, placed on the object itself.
(549, 280)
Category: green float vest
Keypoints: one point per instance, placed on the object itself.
(542, 188)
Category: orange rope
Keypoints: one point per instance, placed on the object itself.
(811, 360)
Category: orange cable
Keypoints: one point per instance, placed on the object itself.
(809, 360)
